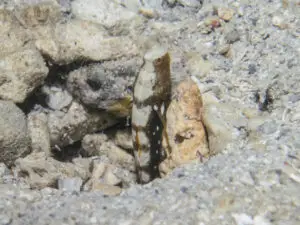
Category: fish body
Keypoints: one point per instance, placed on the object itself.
(152, 94)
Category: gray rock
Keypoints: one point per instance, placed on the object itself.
(3, 170)
(14, 139)
(65, 5)
(66, 128)
(255, 180)
(190, 3)
(232, 35)
(21, 72)
(106, 86)
(70, 184)
(57, 97)
(268, 127)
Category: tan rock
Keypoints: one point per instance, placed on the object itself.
(78, 39)
(221, 121)
(100, 145)
(123, 139)
(225, 13)
(184, 128)
(39, 132)
(148, 13)
(103, 179)
(104, 172)
(42, 171)
(106, 189)
(34, 13)
(12, 35)
(20, 73)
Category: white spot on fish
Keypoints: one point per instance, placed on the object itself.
(157, 128)
(162, 109)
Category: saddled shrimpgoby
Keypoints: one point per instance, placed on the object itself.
(152, 94)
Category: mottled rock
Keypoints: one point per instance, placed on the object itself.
(106, 86)
(99, 144)
(222, 122)
(109, 14)
(20, 73)
(14, 139)
(83, 40)
(39, 132)
(42, 171)
(197, 66)
(13, 36)
(66, 128)
(186, 134)
(41, 12)
(123, 139)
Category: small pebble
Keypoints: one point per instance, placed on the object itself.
(251, 69)
(225, 13)
(242, 219)
(148, 13)
(70, 184)
(232, 36)
(3, 170)
(278, 21)
(4, 219)
(294, 98)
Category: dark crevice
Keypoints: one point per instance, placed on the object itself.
(66, 154)
(35, 98)
(58, 73)
(266, 104)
